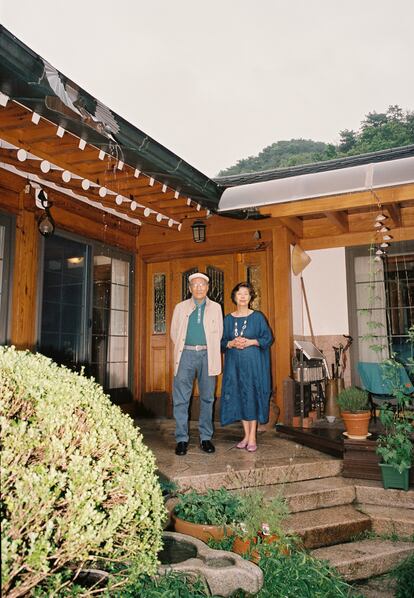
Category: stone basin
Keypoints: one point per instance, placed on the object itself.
(224, 572)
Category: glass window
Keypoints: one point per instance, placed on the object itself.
(159, 325)
(110, 322)
(64, 316)
(85, 311)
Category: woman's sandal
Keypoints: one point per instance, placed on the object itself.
(242, 444)
(251, 448)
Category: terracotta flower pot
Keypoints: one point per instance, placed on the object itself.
(245, 546)
(356, 424)
(200, 530)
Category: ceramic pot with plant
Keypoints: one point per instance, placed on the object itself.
(260, 522)
(355, 412)
(395, 447)
(208, 515)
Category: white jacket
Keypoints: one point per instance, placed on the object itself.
(213, 328)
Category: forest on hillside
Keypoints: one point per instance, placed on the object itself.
(378, 131)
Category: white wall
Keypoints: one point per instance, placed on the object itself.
(325, 286)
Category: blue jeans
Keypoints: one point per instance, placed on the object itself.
(192, 364)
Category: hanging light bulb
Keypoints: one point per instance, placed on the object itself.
(387, 238)
(379, 252)
(381, 217)
(384, 245)
(377, 225)
(384, 229)
(377, 258)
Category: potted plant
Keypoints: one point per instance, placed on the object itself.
(260, 522)
(395, 446)
(208, 515)
(355, 412)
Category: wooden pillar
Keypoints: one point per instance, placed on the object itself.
(282, 239)
(25, 269)
(139, 327)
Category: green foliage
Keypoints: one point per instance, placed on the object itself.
(258, 514)
(404, 575)
(167, 586)
(77, 481)
(379, 131)
(395, 447)
(215, 507)
(353, 399)
(299, 575)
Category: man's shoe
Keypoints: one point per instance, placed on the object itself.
(181, 448)
(207, 446)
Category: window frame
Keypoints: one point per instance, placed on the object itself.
(94, 246)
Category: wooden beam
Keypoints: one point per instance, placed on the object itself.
(339, 219)
(281, 241)
(340, 203)
(405, 233)
(394, 211)
(294, 224)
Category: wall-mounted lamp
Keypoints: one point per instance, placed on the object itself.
(199, 231)
(46, 224)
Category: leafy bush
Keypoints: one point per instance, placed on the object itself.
(77, 481)
(259, 515)
(215, 507)
(353, 399)
(404, 575)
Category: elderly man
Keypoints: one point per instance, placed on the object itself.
(196, 331)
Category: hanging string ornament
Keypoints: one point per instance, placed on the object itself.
(380, 228)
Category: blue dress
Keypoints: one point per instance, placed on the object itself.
(246, 385)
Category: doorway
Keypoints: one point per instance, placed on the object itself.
(167, 285)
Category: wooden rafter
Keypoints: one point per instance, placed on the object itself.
(394, 211)
(339, 219)
(294, 224)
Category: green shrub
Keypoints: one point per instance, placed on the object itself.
(404, 576)
(214, 507)
(77, 482)
(260, 515)
(353, 399)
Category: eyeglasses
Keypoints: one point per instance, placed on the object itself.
(198, 285)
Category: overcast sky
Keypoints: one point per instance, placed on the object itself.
(218, 80)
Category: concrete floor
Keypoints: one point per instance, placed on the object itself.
(276, 459)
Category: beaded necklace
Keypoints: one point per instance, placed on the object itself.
(236, 331)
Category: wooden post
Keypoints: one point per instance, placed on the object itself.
(139, 325)
(282, 239)
(24, 294)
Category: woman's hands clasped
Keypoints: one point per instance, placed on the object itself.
(240, 342)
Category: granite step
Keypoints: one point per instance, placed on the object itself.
(309, 495)
(325, 527)
(252, 473)
(365, 558)
(371, 492)
(390, 520)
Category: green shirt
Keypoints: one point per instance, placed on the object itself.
(195, 328)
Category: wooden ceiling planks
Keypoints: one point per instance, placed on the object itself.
(41, 140)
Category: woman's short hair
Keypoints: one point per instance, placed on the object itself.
(243, 285)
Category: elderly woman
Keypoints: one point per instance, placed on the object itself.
(246, 385)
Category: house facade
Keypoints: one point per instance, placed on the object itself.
(99, 292)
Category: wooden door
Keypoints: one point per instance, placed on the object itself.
(167, 285)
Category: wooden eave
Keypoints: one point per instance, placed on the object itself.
(41, 140)
(346, 219)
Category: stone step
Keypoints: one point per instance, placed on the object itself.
(371, 492)
(255, 472)
(365, 558)
(324, 527)
(390, 520)
(314, 494)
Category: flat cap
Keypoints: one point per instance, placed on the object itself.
(198, 275)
